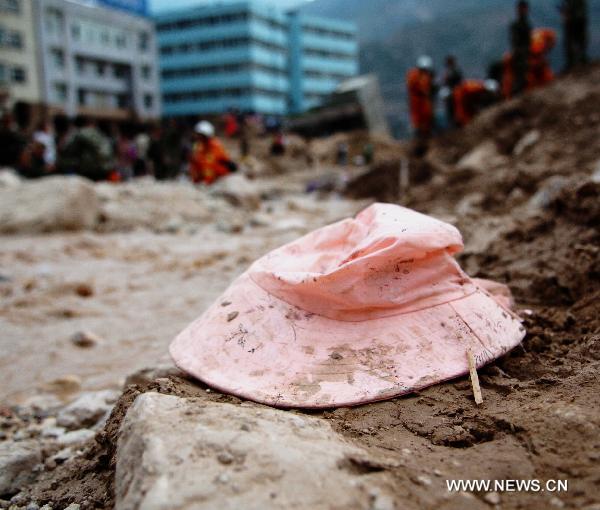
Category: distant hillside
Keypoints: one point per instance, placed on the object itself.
(394, 32)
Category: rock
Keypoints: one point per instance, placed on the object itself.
(239, 191)
(87, 409)
(73, 506)
(492, 497)
(17, 460)
(86, 339)
(482, 158)
(66, 384)
(9, 178)
(528, 141)
(53, 204)
(547, 192)
(170, 455)
(75, 437)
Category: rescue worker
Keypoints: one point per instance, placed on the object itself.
(520, 41)
(421, 92)
(540, 73)
(452, 78)
(472, 96)
(208, 160)
(575, 24)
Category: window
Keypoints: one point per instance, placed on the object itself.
(100, 68)
(120, 40)
(121, 71)
(123, 101)
(54, 21)
(10, 38)
(105, 37)
(81, 97)
(148, 101)
(60, 92)
(11, 6)
(76, 32)
(80, 65)
(19, 75)
(146, 72)
(3, 76)
(58, 58)
(144, 41)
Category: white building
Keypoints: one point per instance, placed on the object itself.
(96, 60)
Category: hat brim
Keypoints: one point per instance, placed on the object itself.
(258, 347)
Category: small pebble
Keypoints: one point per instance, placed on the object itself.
(492, 498)
(225, 458)
(232, 315)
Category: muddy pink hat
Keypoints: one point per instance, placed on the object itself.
(362, 310)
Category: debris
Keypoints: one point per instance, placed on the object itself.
(17, 460)
(474, 378)
(86, 339)
(231, 316)
(528, 141)
(87, 409)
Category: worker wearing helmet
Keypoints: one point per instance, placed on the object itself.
(540, 73)
(209, 160)
(471, 96)
(421, 91)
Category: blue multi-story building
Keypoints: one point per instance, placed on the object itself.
(250, 56)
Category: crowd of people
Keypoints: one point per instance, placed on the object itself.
(102, 150)
(526, 66)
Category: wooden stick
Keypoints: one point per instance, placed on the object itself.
(474, 378)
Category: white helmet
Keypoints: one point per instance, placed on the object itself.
(491, 86)
(425, 62)
(205, 128)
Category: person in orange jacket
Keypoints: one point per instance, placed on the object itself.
(420, 85)
(540, 72)
(208, 160)
(471, 96)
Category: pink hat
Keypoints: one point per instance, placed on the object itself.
(362, 310)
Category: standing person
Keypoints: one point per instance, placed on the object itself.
(209, 161)
(12, 142)
(156, 155)
(452, 78)
(575, 26)
(142, 143)
(520, 41)
(43, 135)
(421, 91)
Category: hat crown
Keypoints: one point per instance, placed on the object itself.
(387, 260)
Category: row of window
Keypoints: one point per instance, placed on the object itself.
(199, 95)
(98, 99)
(220, 44)
(222, 19)
(337, 34)
(94, 33)
(333, 55)
(10, 6)
(12, 74)
(10, 38)
(220, 69)
(98, 67)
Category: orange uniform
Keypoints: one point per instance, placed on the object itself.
(466, 100)
(539, 72)
(420, 88)
(208, 161)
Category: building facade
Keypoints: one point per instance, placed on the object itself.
(250, 56)
(19, 80)
(97, 61)
(323, 53)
